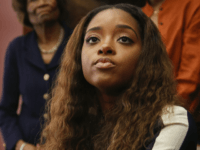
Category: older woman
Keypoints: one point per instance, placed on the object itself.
(30, 65)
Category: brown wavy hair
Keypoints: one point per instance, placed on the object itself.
(75, 120)
(20, 7)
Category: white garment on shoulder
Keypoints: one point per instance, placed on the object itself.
(175, 129)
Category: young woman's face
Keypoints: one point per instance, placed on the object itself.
(110, 51)
(41, 11)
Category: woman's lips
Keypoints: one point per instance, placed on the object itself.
(43, 10)
(104, 63)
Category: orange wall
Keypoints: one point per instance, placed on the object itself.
(9, 29)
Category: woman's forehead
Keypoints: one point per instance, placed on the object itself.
(113, 17)
(112, 14)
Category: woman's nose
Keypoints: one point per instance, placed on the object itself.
(106, 49)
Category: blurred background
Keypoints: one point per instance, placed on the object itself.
(9, 29)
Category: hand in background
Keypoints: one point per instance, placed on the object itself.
(26, 147)
(29, 147)
(38, 147)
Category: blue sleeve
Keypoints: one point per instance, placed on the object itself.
(10, 97)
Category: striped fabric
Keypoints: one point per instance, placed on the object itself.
(179, 132)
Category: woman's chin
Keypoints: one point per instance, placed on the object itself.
(109, 88)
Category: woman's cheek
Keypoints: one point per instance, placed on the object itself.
(53, 3)
(32, 8)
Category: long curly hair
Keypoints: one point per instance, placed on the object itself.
(75, 120)
(20, 7)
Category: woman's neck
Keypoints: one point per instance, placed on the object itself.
(48, 33)
(107, 101)
(155, 3)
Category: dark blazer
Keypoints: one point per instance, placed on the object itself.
(26, 74)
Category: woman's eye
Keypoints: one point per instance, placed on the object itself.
(92, 40)
(125, 40)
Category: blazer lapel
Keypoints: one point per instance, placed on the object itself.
(32, 51)
(56, 59)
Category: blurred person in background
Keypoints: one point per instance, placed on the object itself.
(31, 62)
(179, 24)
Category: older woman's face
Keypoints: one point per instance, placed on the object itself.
(111, 49)
(42, 11)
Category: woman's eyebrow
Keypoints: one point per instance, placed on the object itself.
(118, 26)
(94, 29)
(127, 27)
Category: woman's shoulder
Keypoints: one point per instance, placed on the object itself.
(178, 131)
(178, 115)
(16, 41)
(175, 114)
(179, 127)
(20, 41)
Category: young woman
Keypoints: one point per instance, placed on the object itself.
(30, 65)
(115, 89)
